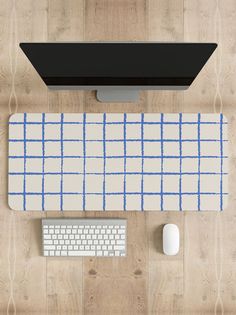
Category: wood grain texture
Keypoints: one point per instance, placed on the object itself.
(65, 278)
(201, 278)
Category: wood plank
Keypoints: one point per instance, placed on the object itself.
(165, 24)
(166, 277)
(166, 293)
(115, 20)
(64, 278)
(65, 23)
(207, 237)
(115, 286)
(119, 285)
(22, 271)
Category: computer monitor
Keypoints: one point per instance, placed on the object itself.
(118, 70)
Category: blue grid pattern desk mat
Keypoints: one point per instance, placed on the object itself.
(117, 162)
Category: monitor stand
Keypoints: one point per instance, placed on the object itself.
(117, 95)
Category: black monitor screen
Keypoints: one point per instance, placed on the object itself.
(98, 64)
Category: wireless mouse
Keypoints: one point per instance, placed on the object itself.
(170, 239)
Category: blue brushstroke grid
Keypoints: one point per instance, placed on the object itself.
(118, 162)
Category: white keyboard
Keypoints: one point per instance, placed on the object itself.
(84, 237)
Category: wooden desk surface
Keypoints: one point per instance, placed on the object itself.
(201, 279)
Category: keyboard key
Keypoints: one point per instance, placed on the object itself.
(48, 242)
(81, 253)
(121, 231)
(49, 247)
(120, 242)
(99, 253)
(46, 253)
(119, 247)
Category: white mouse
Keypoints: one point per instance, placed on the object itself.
(170, 239)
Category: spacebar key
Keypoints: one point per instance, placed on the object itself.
(81, 253)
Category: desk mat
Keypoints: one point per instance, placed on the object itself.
(117, 161)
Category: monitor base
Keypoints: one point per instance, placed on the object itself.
(117, 95)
